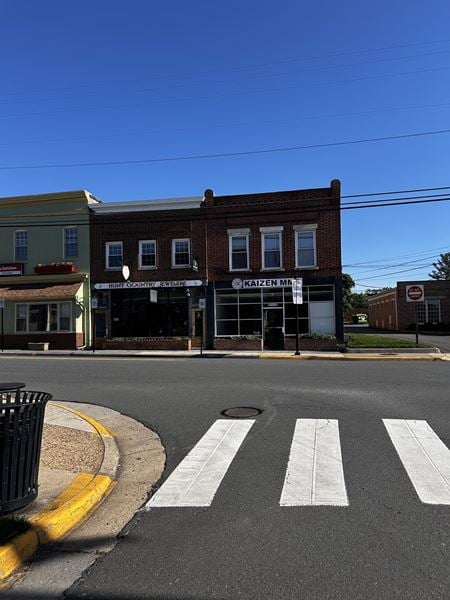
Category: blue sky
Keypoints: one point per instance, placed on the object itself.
(115, 81)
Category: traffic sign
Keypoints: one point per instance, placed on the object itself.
(297, 290)
(415, 293)
(202, 303)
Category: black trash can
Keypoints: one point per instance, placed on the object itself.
(21, 423)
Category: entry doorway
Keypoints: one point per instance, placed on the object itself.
(273, 329)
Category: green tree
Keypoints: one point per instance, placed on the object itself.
(442, 267)
(347, 285)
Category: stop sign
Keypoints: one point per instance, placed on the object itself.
(414, 293)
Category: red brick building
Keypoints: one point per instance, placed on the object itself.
(390, 309)
(217, 266)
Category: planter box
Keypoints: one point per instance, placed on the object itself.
(236, 344)
(55, 269)
(38, 345)
(310, 344)
(144, 344)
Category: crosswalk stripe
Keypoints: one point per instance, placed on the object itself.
(425, 457)
(196, 479)
(315, 474)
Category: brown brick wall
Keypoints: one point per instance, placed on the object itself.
(433, 289)
(382, 311)
(57, 341)
(207, 228)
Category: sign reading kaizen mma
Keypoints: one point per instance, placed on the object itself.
(415, 293)
(259, 283)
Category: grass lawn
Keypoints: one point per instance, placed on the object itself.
(368, 340)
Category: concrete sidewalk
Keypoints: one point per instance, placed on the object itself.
(368, 354)
(88, 471)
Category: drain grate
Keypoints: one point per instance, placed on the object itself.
(241, 412)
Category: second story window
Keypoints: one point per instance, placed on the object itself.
(181, 253)
(70, 242)
(238, 249)
(21, 245)
(147, 254)
(305, 246)
(114, 255)
(271, 247)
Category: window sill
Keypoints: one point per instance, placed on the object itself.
(113, 268)
(181, 267)
(147, 268)
(273, 269)
(307, 268)
(239, 270)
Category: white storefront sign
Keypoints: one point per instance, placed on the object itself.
(297, 290)
(125, 285)
(260, 283)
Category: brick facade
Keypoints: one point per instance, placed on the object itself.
(390, 310)
(207, 224)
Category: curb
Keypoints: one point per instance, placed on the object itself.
(360, 357)
(69, 509)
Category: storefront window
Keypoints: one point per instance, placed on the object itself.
(133, 315)
(56, 316)
(240, 312)
(21, 317)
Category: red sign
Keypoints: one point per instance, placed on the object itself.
(414, 293)
(7, 269)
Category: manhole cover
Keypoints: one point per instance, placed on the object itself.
(241, 412)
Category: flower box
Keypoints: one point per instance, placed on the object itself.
(56, 268)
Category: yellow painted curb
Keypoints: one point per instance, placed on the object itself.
(101, 429)
(66, 511)
(359, 357)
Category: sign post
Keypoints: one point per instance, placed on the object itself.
(297, 298)
(415, 293)
(2, 308)
(202, 306)
(94, 305)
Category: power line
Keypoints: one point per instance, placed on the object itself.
(223, 81)
(228, 125)
(422, 267)
(224, 154)
(215, 96)
(370, 262)
(223, 214)
(232, 68)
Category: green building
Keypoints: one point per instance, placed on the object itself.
(44, 270)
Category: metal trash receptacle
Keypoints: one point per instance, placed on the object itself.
(21, 424)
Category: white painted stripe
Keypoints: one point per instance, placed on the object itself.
(196, 479)
(315, 475)
(425, 457)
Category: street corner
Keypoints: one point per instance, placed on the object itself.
(98, 467)
(78, 468)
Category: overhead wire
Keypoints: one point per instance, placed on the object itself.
(225, 154)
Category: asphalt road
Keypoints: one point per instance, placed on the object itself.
(386, 544)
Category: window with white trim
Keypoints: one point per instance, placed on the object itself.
(114, 255)
(181, 252)
(40, 317)
(271, 250)
(238, 251)
(21, 317)
(21, 245)
(428, 311)
(70, 242)
(305, 246)
(147, 254)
